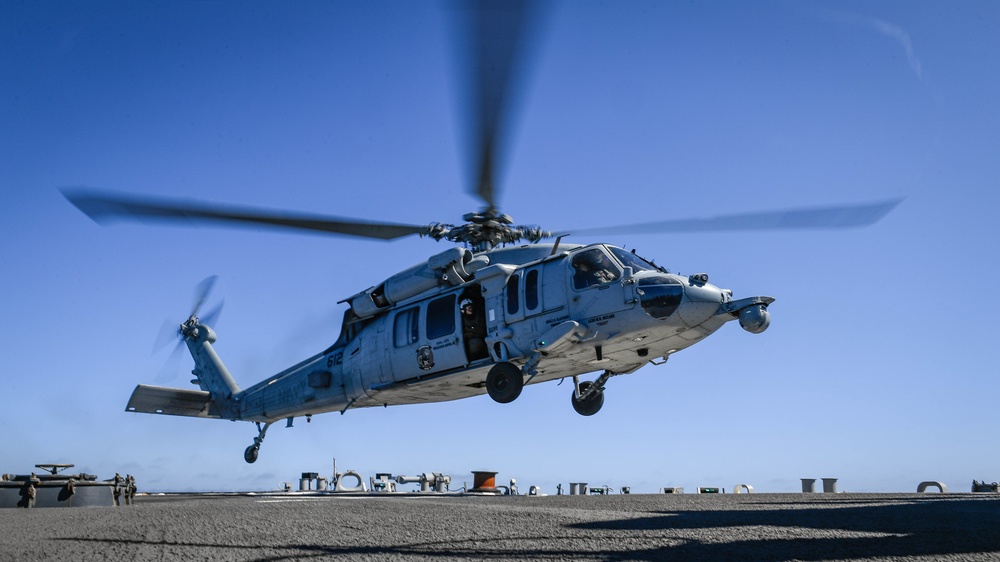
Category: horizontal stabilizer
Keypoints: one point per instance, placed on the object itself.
(172, 402)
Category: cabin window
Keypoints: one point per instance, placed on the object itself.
(531, 290)
(441, 317)
(513, 303)
(406, 329)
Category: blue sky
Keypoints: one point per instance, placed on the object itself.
(878, 367)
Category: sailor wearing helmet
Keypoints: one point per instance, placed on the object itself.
(473, 330)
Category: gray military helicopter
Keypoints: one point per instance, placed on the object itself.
(497, 311)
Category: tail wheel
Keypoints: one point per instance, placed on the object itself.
(592, 404)
(504, 382)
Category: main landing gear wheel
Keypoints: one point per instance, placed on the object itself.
(504, 382)
(250, 455)
(591, 404)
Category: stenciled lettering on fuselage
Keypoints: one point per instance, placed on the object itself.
(290, 394)
(559, 320)
(335, 359)
(600, 320)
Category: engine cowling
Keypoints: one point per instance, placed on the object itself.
(446, 268)
(755, 319)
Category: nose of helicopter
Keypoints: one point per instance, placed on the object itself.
(702, 301)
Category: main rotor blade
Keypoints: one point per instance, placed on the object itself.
(106, 207)
(496, 36)
(833, 217)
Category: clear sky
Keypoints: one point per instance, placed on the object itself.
(878, 368)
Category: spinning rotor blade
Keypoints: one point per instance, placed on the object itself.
(833, 217)
(104, 207)
(172, 366)
(170, 332)
(494, 46)
(201, 292)
(211, 317)
(168, 335)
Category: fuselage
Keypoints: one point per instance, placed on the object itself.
(554, 311)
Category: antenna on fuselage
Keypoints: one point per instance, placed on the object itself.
(555, 247)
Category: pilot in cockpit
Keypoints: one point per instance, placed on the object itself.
(592, 267)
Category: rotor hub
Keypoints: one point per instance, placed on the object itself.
(486, 230)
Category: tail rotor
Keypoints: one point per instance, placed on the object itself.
(173, 332)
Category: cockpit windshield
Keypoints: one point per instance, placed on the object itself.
(629, 259)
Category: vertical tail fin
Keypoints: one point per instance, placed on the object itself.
(212, 375)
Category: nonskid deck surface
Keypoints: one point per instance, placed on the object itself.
(449, 527)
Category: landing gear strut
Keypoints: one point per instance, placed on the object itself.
(250, 454)
(588, 397)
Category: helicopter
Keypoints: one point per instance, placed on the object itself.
(499, 310)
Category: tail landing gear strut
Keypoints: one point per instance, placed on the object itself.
(250, 455)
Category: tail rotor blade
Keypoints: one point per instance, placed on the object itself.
(212, 316)
(201, 292)
(171, 366)
(169, 333)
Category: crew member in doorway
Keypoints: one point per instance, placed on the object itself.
(473, 331)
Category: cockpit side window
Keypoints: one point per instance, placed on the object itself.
(593, 267)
